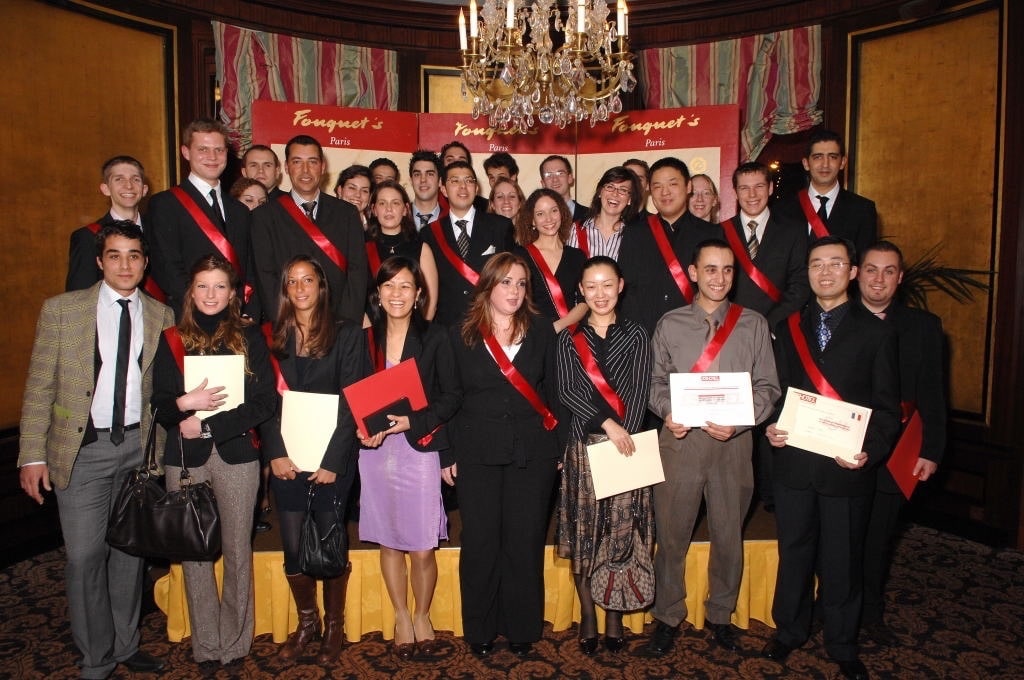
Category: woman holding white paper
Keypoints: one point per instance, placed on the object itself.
(218, 448)
(604, 370)
(314, 354)
(400, 504)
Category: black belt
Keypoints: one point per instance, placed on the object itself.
(127, 428)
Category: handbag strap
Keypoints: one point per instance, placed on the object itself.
(337, 504)
(149, 453)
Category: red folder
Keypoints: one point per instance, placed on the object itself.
(371, 394)
(906, 454)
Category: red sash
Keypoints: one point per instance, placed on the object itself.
(268, 333)
(379, 364)
(671, 261)
(148, 284)
(557, 297)
(582, 242)
(177, 347)
(211, 232)
(517, 380)
(718, 341)
(313, 232)
(593, 372)
(907, 451)
(739, 249)
(817, 226)
(454, 260)
(821, 384)
(373, 257)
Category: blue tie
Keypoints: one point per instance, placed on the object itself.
(824, 332)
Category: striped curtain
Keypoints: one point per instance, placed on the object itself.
(255, 65)
(775, 79)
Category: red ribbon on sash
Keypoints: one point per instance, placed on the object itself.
(593, 372)
(454, 260)
(739, 249)
(314, 232)
(557, 297)
(177, 347)
(268, 334)
(373, 257)
(817, 226)
(517, 380)
(148, 285)
(671, 261)
(718, 340)
(907, 451)
(821, 384)
(581, 239)
(211, 232)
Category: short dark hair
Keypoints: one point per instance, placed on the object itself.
(262, 147)
(502, 160)
(455, 165)
(824, 135)
(555, 157)
(709, 243)
(833, 240)
(123, 228)
(883, 246)
(618, 174)
(638, 161)
(749, 168)
(425, 155)
(353, 171)
(597, 261)
(670, 162)
(377, 162)
(109, 164)
(302, 140)
(456, 143)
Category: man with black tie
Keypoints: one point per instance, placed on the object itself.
(822, 505)
(310, 222)
(198, 217)
(824, 205)
(462, 241)
(922, 388)
(425, 179)
(88, 389)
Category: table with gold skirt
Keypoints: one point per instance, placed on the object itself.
(368, 609)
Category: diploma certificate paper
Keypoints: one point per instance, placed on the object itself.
(614, 473)
(720, 398)
(308, 421)
(227, 370)
(825, 426)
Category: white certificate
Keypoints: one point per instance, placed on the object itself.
(614, 473)
(308, 421)
(719, 398)
(226, 370)
(825, 426)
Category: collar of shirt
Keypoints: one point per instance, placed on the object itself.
(832, 194)
(137, 219)
(762, 222)
(299, 200)
(109, 297)
(470, 217)
(433, 214)
(699, 315)
(204, 188)
(838, 314)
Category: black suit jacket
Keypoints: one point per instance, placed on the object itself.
(343, 365)
(852, 216)
(650, 289)
(176, 243)
(496, 424)
(82, 270)
(580, 212)
(491, 233)
(782, 257)
(276, 238)
(860, 362)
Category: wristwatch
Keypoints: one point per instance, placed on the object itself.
(205, 431)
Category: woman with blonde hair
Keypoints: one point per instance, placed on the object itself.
(703, 202)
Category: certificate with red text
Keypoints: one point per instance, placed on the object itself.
(719, 398)
(828, 427)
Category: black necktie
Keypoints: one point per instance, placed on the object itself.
(124, 347)
(424, 219)
(309, 207)
(822, 212)
(462, 238)
(218, 215)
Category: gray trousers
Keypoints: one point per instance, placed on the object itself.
(697, 468)
(223, 625)
(104, 585)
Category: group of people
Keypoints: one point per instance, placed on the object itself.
(539, 326)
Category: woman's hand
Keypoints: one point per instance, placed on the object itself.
(191, 428)
(449, 474)
(202, 398)
(618, 435)
(371, 442)
(283, 468)
(323, 476)
(401, 424)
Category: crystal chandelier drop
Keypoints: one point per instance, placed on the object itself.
(516, 76)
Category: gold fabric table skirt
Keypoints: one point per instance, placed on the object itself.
(368, 609)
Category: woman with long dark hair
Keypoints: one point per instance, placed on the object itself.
(314, 353)
(354, 186)
(399, 468)
(614, 205)
(219, 449)
(505, 457)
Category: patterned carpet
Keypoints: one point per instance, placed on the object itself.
(956, 606)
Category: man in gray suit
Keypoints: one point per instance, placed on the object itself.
(86, 406)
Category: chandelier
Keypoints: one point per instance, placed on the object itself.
(515, 74)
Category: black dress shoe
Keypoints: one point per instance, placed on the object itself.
(614, 644)
(853, 670)
(661, 641)
(140, 662)
(776, 651)
(520, 649)
(880, 634)
(588, 646)
(725, 636)
(481, 649)
(262, 527)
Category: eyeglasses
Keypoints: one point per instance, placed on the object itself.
(555, 173)
(834, 266)
(461, 181)
(612, 189)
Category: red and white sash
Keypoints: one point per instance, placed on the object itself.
(457, 263)
(671, 261)
(593, 371)
(718, 341)
(314, 232)
(821, 384)
(817, 226)
(517, 380)
(557, 296)
(739, 249)
(211, 232)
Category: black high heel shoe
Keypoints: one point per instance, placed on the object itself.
(588, 646)
(614, 644)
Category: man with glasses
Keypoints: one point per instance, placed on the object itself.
(822, 505)
(462, 241)
(556, 174)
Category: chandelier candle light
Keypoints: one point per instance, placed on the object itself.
(516, 76)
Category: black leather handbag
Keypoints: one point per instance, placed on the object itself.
(322, 556)
(149, 521)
